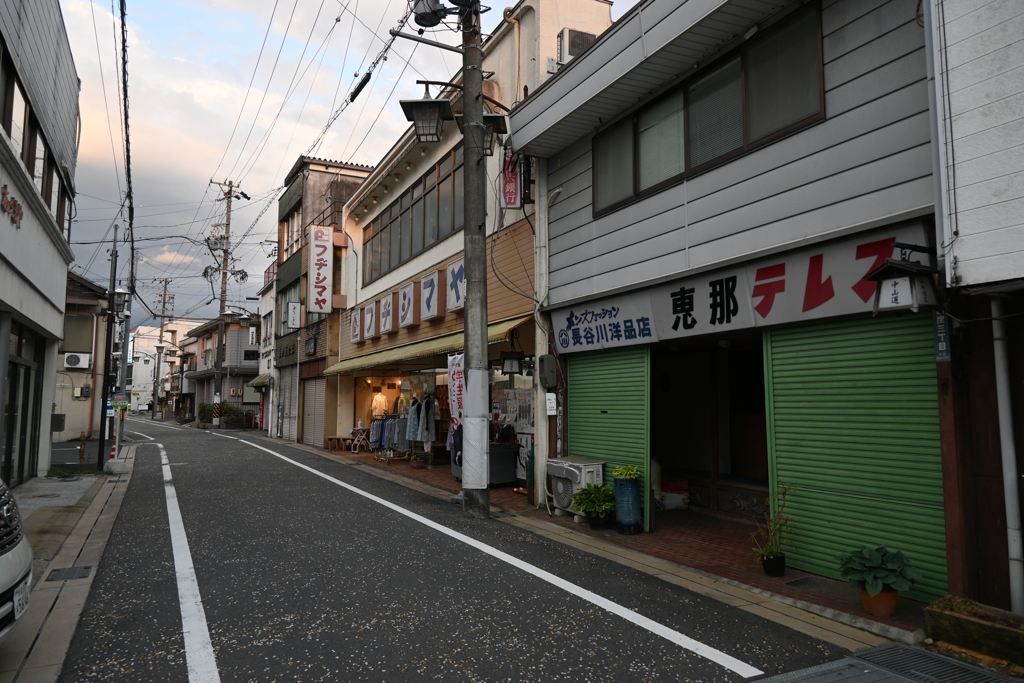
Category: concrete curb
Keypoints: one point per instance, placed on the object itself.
(36, 649)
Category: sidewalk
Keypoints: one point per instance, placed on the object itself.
(707, 555)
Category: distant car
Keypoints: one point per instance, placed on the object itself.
(15, 564)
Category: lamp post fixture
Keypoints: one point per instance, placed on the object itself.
(428, 117)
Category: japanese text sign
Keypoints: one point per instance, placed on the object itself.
(511, 180)
(456, 387)
(456, 289)
(815, 282)
(408, 305)
(387, 310)
(370, 320)
(320, 286)
(356, 329)
(432, 297)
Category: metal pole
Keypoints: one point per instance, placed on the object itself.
(1011, 480)
(107, 345)
(157, 383)
(476, 437)
(122, 380)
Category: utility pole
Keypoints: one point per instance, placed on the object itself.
(107, 346)
(228, 189)
(165, 300)
(476, 436)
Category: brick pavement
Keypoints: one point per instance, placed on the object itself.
(717, 547)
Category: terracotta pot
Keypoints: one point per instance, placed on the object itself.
(418, 464)
(881, 605)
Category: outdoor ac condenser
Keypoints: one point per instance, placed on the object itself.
(78, 361)
(570, 474)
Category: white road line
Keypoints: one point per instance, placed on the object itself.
(695, 646)
(140, 434)
(199, 656)
(155, 424)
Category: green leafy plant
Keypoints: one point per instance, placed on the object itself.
(205, 412)
(875, 568)
(767, 538)
(594, 500)
(626, 472)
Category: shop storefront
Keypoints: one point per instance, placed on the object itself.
(767, 374)
(22, 405)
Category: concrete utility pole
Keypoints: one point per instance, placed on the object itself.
(107, 346)
(165, 300)
(228, 188)
(475, 432)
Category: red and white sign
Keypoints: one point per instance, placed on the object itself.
(319, 292)
(511, 180)
(356, 326)
(456, 386)
(821, 281)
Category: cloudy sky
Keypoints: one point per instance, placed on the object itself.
(227, 89)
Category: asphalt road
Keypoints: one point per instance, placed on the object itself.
(306, 569)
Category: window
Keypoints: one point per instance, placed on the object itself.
(284, 298)
(768, 87)
(39, 164)
(54, 185)
(426, 213)
(19, 112)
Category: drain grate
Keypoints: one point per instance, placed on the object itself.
(69, 573)
(845, 670)
(921, 665)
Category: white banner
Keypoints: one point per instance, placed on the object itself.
(456, 386)
(816, 282)
(320, 288)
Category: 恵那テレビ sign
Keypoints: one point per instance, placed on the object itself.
(816, 282)
(321, 270)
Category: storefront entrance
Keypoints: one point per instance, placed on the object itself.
(708, 423)
(21, 407)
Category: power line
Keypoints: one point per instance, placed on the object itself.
(106, 104)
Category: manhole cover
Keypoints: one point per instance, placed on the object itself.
(916, 664)
(69, 573)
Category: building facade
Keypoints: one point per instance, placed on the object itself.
(38, 155)
(80, 355)
(227, 351)
(712, 207)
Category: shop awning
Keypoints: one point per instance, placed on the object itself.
(449, 343)
(261, 381)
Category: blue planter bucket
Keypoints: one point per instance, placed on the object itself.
(627, 506)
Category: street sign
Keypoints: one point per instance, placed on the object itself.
(119, 401)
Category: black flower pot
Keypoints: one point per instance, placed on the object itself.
(627, 506)
(601, 523)
(774, 566)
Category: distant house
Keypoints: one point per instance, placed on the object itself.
(237, 365)
(80, 376)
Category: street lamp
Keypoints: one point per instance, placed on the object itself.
(119, 299)
(494, 125)
(427, 115)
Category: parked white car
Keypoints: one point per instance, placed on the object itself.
(15, 564)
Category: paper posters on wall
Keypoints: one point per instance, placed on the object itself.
(456, 289)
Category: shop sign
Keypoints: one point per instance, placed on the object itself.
(817, 282)
(370, 320)
(11, 207)
(456, 278)
(431, 297)
(942, 350)
(408, 305)
(319, 297)
(511, 180)
(356, 328)
(456, 386)
(294, 315)
(387, 320)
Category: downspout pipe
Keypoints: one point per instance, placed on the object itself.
(936, 119)
(1014, 544)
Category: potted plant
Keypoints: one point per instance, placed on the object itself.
(880, 575)
(627, 499)
(598, 502)
(767, 538)
(416, 461)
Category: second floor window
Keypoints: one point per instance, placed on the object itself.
(768, 87)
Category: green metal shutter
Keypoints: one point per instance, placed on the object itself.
(609, 411)
(853, 423)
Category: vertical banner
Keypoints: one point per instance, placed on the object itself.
(456, 386)
(319, 281)
(511, 180)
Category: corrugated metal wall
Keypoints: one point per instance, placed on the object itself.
(853, 423)
(314, 400)
(609, 411)
(287, 396)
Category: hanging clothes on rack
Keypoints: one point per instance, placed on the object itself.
(427, 429)
(379, 405)
(413, 424)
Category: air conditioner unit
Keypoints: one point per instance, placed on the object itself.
(78, 361)
(572, 43)
(570, 474)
